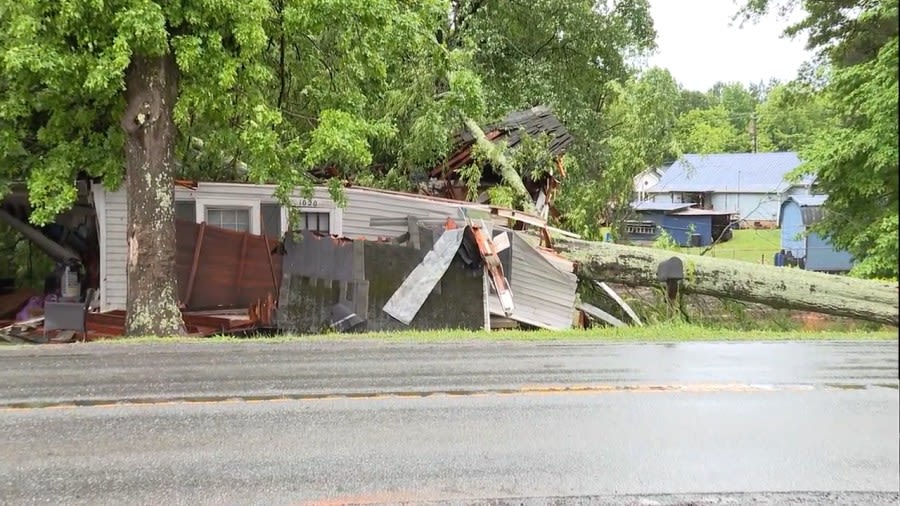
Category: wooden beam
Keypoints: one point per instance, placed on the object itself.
(271, 263)
(195, 264)
(241, 262)
(620, 301)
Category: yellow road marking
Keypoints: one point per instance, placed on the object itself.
(528, 390)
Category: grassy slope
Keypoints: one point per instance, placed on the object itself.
(746, 245)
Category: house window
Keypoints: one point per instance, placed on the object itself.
(640, 228)
(315, 221)
(231, 218)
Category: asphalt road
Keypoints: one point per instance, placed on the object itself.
(511, 423)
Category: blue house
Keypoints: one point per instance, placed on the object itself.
(687, 225)
(798, 213)
(749, 185)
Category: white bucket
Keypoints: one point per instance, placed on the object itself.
(70, 285)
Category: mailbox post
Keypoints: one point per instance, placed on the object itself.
(671, 272)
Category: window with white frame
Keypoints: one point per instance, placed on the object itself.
(640, 228)
(315, 221)
(229, 217)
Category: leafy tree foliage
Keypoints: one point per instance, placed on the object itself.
(644, 112)
(790, 117)
(162, 88)
(709, 131)
(574, 57)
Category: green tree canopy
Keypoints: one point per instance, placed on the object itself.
(644, 112)
(147, 89)
(791, 117)
(709, 131)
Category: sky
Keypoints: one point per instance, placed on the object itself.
(700, 45)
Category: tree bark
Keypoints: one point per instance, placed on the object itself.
(778, 287)
(501, 163)
(151, 91)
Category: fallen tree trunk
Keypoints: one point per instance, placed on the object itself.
(499, 160)
(777, 287)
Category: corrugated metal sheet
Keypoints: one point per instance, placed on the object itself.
(544, 295)
(224, 269)
(736, 172)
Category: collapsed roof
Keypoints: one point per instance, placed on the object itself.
(511, 130)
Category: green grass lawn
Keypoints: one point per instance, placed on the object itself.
(757, 246)
(670, 332)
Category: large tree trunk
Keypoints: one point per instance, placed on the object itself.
(777, 287)
(151, 91)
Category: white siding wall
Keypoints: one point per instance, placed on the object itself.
(251, 196)
(112, 216)
(749, 206)
(644, 181)
(362, 205)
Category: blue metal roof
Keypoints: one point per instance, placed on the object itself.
(730, 172)
(659, 206)
(811, 209)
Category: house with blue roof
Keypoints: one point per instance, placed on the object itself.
(686, 224)
(812, 251)
(750, 186)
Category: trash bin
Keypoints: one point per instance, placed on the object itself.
(695, 240)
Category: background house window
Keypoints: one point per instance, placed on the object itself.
(231, 218)
(640, 228)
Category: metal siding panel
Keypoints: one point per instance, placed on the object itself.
(115, 279)
(822, 256)
(541, 292)
(758, 206)
(792, 229)
(724, 201)
(679, 227)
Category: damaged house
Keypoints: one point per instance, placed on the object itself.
(235, 271)
(386, 260)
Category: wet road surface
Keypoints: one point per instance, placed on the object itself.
(370, 422)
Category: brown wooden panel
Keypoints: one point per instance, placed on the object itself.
(223, 279)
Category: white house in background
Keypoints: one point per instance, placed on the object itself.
(647, 179)
(750, 185)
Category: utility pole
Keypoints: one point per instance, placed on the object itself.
(753, 131)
